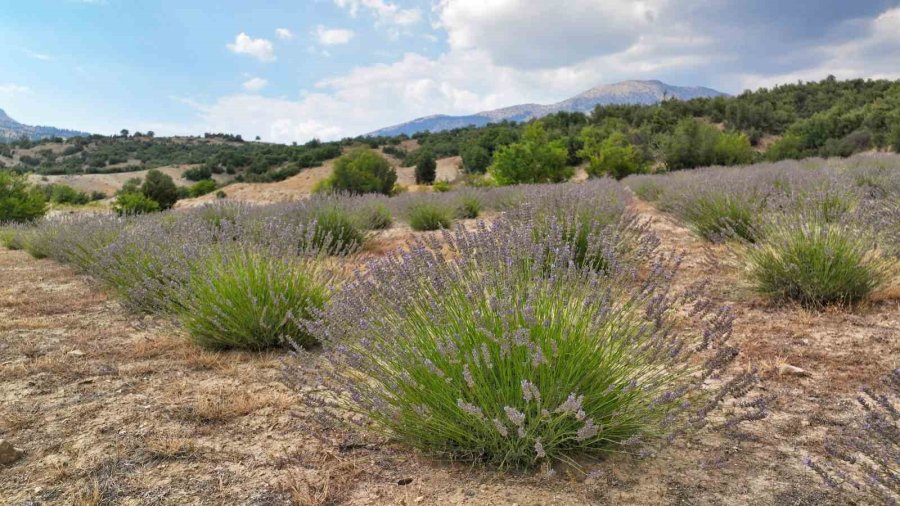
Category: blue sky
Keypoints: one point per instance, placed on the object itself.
(293, 70)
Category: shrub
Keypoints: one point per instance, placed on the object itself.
(614, 157)
(535, 160)
(129, 204)
(201, 188)
(460, 347)
(426, 167)
(442, 186)
(429, 216)
(335, 231)
(375, 216)
(858, 456)
(64, 194)
(198, 173)
(645, 187)
(475, 159)
(238, 298)
(19, 201)
(362, 171)
(149, 263)
(717, 215)
(815, 263)
(160, 187)
(469, 207)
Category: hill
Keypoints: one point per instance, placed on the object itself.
(207, 155)
(626, 92)
(11, 129)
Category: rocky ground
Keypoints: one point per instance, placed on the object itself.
(107, 407)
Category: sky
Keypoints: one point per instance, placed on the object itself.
(294, 70)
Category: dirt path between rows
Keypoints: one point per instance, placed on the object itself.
(113, 408)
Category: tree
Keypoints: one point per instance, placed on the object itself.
(614, 157)
(19, 201)
(132, 185)
(733, 149)
(128, 204)
(692, 144)
(534, 160)
(362, 171)
(426, 168)
(894, 137)
(476, 159)
(124, 132)
(160, 187)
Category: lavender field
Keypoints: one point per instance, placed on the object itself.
(723, 335)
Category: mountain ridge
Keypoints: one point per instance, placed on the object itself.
(11, 130)
(624, 92)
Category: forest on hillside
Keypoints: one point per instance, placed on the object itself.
(829, 118)
(126, 152)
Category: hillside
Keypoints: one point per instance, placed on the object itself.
(11, 129)
(626, 92)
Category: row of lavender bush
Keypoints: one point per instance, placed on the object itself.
(815, 231)
(547, 332)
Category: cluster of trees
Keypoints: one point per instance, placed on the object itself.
(825, 118)
(217, 153)
(157, 192)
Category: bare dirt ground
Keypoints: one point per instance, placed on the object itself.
(114, 408)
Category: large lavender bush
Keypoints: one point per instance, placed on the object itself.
(815, 262)
(491, 345)
(245, 297)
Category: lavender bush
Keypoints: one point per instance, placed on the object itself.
(863, 459)
(814, 262)
(489, 345)
(247, 298)
(429, 216)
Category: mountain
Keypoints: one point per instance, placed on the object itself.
(626, 92)
(11, 130)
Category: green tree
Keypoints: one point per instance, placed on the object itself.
(614, 157)
(426, 167)
(19, 200)
(690, 145)
(534, 160)
(202, 188)
(128, 204)
(362, 171)
(476, 159)
(733, 149)
(132, 185)
(894, 137)
(161, 188)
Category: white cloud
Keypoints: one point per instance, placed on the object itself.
(525, 33)
(497, 57)
(14, 89)
(284, 34)
(261, 49)
(333, 36)
(385, 12)
(255, 84)
(38, 56)
(873, 54)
